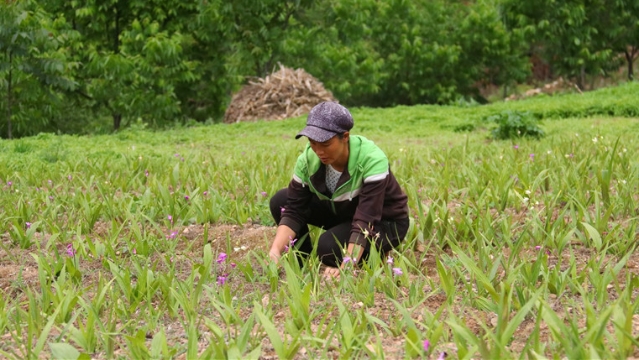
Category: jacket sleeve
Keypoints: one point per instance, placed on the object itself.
(299, 198)
(369, 209)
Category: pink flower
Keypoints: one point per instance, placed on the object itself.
(9, 183)
(221, 258)
(426, 345)
(221, 280)
(397, 271)
(134, 251)
(205, 193)
(532, 157)
(233, 265)
(347, 259)
(442, 355)
(389, 261)
(170, 218)
(28, 225)
(516, 147)
(186, 197)
(172, 235)
(264, 194)
(70, 250)
(146, 173)
(290, 244)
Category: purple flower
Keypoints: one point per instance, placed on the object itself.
(389, 260)
(177, 155)
(134, 251)
(172, 235)
(221, 258)
(264, 193)
(9, 183)
(426, 345)
(186, 197)
(221, 280)
(291, 242)
(442, 355)
(532, 156)
(28, 225)
(397, 271)
(347, 259)
(70, 250)
(51, 198)
(205, 193)
(516, 147)
(233, 265)
(170, 218)
(537, 247)
(146, 173)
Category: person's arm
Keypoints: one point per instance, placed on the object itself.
(283, 237)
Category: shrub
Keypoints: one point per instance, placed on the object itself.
(514, 124)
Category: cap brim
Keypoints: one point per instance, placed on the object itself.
(315, 134)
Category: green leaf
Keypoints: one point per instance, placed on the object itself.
(64, 351)
(594, 235)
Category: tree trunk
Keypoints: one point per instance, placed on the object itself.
(117, 120)
(629, 59)
(9, 130)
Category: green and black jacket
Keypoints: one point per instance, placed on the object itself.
(366, 193)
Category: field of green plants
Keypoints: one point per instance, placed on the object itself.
(154, 244)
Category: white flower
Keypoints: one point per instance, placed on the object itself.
(594, 139)
(525, 200)
(527, 192)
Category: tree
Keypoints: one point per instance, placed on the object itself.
(564, 33)
(33, 65)
(618, 24)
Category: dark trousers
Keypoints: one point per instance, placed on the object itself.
(338, 231)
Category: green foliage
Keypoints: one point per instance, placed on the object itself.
(515, 124)
(388, 53)
(35, 68)
(578, 38)
(101, 65)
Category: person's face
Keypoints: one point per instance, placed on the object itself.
(332, 152)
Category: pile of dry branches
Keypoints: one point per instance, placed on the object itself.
(283, 94)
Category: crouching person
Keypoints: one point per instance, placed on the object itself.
(343, 184)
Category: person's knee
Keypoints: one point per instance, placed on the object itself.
(277, 204)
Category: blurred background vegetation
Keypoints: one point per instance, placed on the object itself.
(96, 66)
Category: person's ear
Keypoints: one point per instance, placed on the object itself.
(345, 136)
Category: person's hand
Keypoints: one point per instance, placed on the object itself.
(331, 272)
(275, 256)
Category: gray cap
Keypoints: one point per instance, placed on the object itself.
(326, 120)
